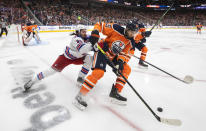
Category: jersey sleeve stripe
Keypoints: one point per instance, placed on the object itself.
(68, 54)
(79, 46)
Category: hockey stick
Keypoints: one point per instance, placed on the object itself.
(187, 79)
(174, 122)
(161, 18)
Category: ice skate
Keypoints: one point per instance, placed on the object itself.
(116, 98)
(79, 102)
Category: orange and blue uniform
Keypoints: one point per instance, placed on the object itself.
(199, 27)
(115, 34)
(140, 45)
(30, 28)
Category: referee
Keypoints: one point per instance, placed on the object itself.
(3, 27)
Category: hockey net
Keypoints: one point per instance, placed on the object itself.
(14, 35)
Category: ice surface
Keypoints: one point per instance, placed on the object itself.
(49, 106)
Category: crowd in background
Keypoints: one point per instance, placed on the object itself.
(12, 11)
(61, 12)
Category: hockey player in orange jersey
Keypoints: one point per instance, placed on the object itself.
(199, 28)
(140, 39)
(30, 31)
(118, 40)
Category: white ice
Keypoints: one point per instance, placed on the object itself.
(179, 52)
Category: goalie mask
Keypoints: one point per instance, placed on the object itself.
(117, 47)
(32, 21)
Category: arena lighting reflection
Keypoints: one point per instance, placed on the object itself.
(200, 7)
(157, 6)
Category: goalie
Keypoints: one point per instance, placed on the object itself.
(30, 31)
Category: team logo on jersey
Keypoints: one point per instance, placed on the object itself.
(117, 46)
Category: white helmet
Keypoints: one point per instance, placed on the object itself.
(79, 28)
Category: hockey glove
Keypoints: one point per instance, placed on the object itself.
(94, 38)
(146, 33)
(143, 40)
(141, 25)
(119, 67)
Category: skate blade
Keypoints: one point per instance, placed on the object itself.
(118, 102)
(79, 106)
(26, 90)
(26, 87)
(79, 85)
(142, 67)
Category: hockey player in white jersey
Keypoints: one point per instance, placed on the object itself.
(76, 53)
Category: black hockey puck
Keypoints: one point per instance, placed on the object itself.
(159, 109)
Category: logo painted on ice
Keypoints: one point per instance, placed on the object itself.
(37, 98)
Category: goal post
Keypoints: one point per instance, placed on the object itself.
(14, 35)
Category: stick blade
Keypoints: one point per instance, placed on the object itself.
(174, 122)
(188, 79)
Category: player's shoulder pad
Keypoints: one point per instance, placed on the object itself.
(118, 28)
(77, 38)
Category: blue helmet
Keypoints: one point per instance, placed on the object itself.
(135, 21)
(132, 26)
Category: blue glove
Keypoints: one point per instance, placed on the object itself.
(143, 40)
(146, 33)
(94, 38)
(119, 67)
(141, 25)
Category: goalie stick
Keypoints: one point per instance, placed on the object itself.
(174, 122)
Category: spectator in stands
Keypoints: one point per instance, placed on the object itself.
(62, 12)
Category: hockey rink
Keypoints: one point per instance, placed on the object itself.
(48, 106)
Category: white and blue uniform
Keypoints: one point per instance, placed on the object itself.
(77, 48)
(76, 53)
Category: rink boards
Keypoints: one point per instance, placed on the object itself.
(46, 29)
